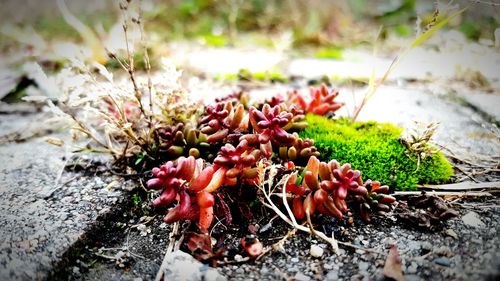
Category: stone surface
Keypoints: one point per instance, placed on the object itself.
(472, 219)
(44, 211)
(182, 266)
(489, 103)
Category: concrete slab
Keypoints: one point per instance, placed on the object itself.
(488, 103)
(41, 220)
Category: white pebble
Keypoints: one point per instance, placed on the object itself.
(316, 251)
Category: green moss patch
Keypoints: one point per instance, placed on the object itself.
(374, 149)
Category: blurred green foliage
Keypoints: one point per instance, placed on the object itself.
(246, 75)
(311, 22)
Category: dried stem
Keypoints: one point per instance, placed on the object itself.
(291, 218)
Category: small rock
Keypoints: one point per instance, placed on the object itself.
(412, 269)
(104, 211)
(294, 260)
(182, 266)
(442, 261)
(414, 245)
(451, 233)
(388, 242)
(477, 241)
(363, 266)
(301, 277)
(472, 219)
(444, 251)
(426, 246)
(332, 276)
(316, 251)
(412, 277)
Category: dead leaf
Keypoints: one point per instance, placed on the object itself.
(424, 211)
(200, 246)
(392, 267)
(55, 141)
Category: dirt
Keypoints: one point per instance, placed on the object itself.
(453, 251)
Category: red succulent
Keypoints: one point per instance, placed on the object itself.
(269, 124)
(223, 119)
(374, 200)
(185, 180)
(238, 162)
(325, 187)
(321, 101)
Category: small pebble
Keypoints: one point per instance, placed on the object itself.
(363, 266)
(301, 277)
(316, 251)
(472, 219)
(443, 251)
(451, 233)
(332, 276)
(442, 261)
(426, 246)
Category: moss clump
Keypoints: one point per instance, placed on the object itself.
(374, 149)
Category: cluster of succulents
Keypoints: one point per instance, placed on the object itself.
(240, 139)
(299, 151)
(328, 189)
(179, 140)
(186, 181)
(321, 100)
(223, 120)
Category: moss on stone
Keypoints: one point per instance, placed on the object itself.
(374, 149)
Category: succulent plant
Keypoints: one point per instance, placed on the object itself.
(185, 181)
(238, 162)
(222, 120)
(244, 137)
(375, 200)
(269, 125)
(299, 151)
(326, 188)
(176, 141)
(321, 101)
